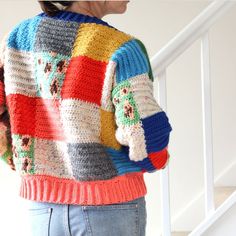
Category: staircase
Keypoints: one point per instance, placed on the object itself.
(221, 194)
(220, 201)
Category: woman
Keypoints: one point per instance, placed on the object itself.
(78, 120)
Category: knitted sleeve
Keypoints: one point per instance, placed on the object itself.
(5, 134)
(143, 127)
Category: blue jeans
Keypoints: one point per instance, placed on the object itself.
(121, 219)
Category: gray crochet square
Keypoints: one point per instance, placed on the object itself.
(57, 36)
(90, 161)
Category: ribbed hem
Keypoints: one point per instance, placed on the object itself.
(68, 191)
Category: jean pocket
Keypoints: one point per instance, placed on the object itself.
(39, 219)
(121, 218)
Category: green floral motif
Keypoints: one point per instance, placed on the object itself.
(50, 73)
(126, 110)
(23, 153)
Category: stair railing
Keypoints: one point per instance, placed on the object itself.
(198, 28)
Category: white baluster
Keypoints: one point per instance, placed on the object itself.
(164, 174)
(207, 125)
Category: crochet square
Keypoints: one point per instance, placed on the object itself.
(22, 113)
(154, 161)
(51, 158)
(84, 80)
(156, 130)
(90, 161)
(22, 82)
(121, 160)
(23, 153)
(50, 73)
(125, 107)
(100, 49)
(57, 36)
(158, 159)
(108, 129)
(142, 89)
(80, 121)
(131, 60)
(22, 37)
(35, 116)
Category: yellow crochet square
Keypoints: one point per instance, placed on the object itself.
(108, 127)
(107, 41)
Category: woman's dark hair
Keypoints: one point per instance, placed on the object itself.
(52, 7)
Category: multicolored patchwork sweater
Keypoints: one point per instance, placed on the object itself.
(78, 119)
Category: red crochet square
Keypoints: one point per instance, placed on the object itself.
(35, 116)
(158, 159)
(84, 79)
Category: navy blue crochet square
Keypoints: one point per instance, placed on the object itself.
(157, 131)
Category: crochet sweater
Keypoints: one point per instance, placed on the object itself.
(78, 119)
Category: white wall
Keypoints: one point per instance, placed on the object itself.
(156, 22)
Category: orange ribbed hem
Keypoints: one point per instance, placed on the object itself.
(45, 188)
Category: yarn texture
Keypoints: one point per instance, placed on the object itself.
(78, 119)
